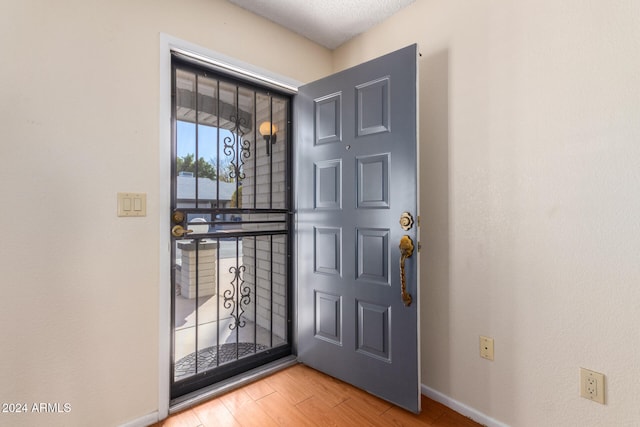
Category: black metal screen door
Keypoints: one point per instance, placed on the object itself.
(230, 213)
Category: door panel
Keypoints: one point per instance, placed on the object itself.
(357, 174)
(373, 107)
(373, 181)
(372, 255)
(328, 184)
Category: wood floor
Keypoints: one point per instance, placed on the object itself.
(301, 396)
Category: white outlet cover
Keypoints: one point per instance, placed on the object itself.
(592, 385)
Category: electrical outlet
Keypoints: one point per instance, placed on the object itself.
(592, 385)
(486, 348)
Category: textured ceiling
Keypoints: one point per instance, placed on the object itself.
(326, 22)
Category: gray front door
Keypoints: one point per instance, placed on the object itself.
(357, 175)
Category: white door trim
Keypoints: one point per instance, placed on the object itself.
(169, 43)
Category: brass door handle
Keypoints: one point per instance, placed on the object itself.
(179, 231)
(406, 250)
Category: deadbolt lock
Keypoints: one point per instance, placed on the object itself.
(177, 217)
(406, 221)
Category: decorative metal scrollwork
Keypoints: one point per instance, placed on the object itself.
(237, 147)
(243, 299)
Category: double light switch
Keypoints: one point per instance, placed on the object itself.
(132, 204)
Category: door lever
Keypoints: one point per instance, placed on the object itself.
(406, 250)
(179, 231)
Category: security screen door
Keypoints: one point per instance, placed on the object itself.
(357, 196)
(230, 218)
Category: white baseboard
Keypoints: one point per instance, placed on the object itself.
(461, 408)
(143, 421)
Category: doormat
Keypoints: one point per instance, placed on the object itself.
(208, 357)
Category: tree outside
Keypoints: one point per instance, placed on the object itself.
(205, 169)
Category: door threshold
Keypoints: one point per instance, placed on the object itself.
(206, 393)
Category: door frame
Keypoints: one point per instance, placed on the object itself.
(240, 69)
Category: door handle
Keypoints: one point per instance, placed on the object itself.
(406, 250)
(179, 231)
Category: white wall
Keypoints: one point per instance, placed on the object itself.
(79, 107)
(531, 188)
(530, 139)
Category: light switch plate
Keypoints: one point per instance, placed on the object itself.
(132, 204)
